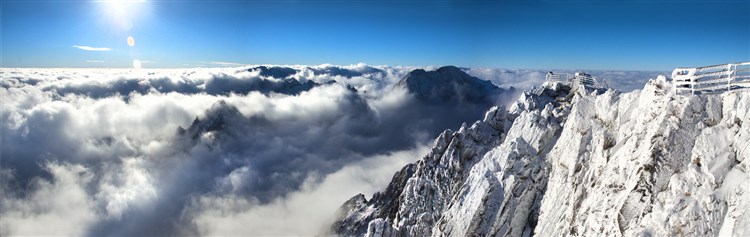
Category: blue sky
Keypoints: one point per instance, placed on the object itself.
(619, 35)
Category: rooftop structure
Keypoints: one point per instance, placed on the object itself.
(578, 78)
(712, 79)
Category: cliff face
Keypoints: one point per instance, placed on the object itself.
(651, 163)
(564, 161)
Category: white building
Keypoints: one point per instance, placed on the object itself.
(578, 78)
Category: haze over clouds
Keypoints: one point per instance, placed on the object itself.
(526, 78)
(255, 150)
(89, 48)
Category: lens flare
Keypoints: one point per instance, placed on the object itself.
(136, 64)
(131, 41)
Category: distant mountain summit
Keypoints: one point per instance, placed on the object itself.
(281, 72)
(288, 86)
(218, 118)
(274, 71)
(449, 84)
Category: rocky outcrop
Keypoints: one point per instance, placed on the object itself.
(576, 162)
(421, 193)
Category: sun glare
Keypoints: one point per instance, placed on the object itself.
(131, 41)
(122, 12)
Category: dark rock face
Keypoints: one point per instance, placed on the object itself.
(337, 71)
(218, 118)
(274, 71)
(287, 86)
(450, 84)
(352, 216)
(451, 96)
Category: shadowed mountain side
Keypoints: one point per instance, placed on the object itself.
(451, 85)
(220, 84)
(281, 72)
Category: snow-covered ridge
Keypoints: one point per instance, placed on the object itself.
(564, 161)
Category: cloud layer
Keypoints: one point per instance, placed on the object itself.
(89, 48)
(525, 78)
(224, 151)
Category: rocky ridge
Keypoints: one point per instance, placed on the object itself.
(569, 161)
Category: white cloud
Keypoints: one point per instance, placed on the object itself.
(125, 185)
(94, 61)
(89, 48)
(57, 207)
(305, 212)
(225, 64)
(143, 172)
(109, 143)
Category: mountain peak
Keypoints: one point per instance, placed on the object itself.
(217, 117)
(450, 69)
(449, 84)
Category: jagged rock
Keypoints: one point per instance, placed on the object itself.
(567, 161)
(438, 177)
(217, 118)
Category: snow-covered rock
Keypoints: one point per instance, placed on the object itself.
(569, 161)
(415, 200)
(650, 163)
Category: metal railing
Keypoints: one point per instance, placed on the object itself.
(712, 79)
(576, 79)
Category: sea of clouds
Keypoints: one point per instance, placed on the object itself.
(212, 151)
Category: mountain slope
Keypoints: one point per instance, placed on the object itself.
(660, 160)
(449, 84)
(576, 162)
(420, 193)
